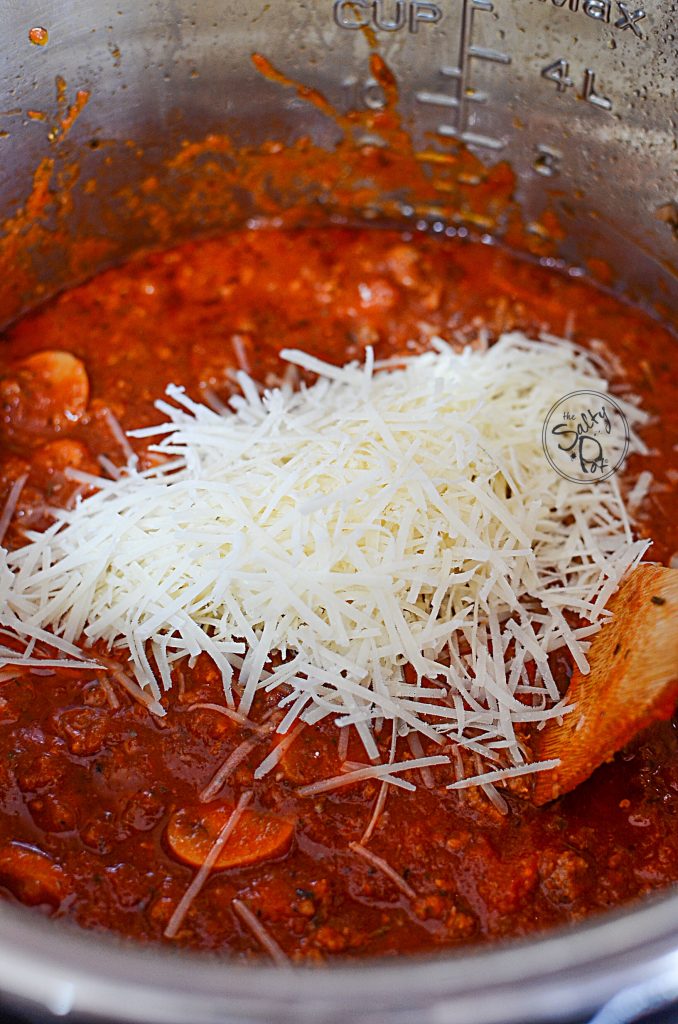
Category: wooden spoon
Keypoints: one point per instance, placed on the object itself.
(633, 681)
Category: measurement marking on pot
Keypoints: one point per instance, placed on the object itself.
(589, 92)
(559, 73)
(547, 162)
(364, 90)
(605, 11)
(629, 19)
(408, 14)
(462, 95)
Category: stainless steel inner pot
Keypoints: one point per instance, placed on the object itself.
(579, 96)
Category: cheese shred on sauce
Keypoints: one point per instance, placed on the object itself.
(389, 542)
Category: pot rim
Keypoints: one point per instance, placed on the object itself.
(555, 976)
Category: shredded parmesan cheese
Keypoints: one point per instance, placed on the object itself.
(387, 543)
(265, 940)
(11, 504)
(385, 868)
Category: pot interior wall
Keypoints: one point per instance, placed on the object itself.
(576, 105)
(576, 98)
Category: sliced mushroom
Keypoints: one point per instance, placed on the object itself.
(258, 836)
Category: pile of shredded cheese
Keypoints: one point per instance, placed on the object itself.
(318, 540)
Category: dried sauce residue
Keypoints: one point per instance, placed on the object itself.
(37, 230)
(385, 179)
(373, 173)
(73, 111)
(38, 35)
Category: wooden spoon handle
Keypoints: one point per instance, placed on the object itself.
(633, 681)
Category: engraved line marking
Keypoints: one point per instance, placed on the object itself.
(602, 10)
(462, 94)
(629, 19)
(573, 4)
(367, 91)
(439, 98)
(482, 53)
(464, 44)
(589, 93)
(373, 95)
(487, 141)
(389, 24)
(424, 13)
(558, 72)
(547, 161)
(443, 99)
(351, 20)
(356, 14)
(472, 138)
(598, 10)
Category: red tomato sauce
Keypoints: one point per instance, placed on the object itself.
(100, 818)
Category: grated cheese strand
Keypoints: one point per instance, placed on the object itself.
(264, 938)
(272, 759)
(11, 504)
(317, 541)
(382, 865)
(227, 768)
(373, 771)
